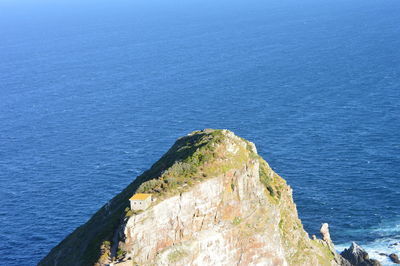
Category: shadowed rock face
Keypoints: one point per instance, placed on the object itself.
(217, 203)
(357, 256)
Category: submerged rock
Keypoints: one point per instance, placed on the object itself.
(393, 257)
(357, 256)
(397, 244)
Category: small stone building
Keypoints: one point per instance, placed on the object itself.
(140, 201)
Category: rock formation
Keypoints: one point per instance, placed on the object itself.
(217, 203)
(326, 236)
(357, 256)
(394, 258)
(326, 241)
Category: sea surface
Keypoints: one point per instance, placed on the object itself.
(93, 92)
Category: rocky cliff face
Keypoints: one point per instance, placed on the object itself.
(217, 202)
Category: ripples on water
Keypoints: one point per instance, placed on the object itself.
(89, 100)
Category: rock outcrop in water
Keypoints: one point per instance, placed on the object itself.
(357, 256)
(394, 258)
(217, 203)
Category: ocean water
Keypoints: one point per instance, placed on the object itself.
(91, 94)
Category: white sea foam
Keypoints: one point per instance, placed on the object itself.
(388, 243)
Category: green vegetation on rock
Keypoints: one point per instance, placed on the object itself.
(105, 252)
(272, 182)
(120, 254)
(325, 256)
(237, 220)
(176, 255)
(192, 159)
(198, 156)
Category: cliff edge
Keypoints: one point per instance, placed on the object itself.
(215, 202)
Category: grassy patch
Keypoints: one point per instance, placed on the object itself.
(325, 256)
(129, 213)
(197, 157)
(272, 182)
(237, 220)
(105, 251)
(120, 254)
(176, 255)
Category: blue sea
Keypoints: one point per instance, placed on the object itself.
(93, 92)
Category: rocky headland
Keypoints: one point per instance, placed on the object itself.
(215, 202)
